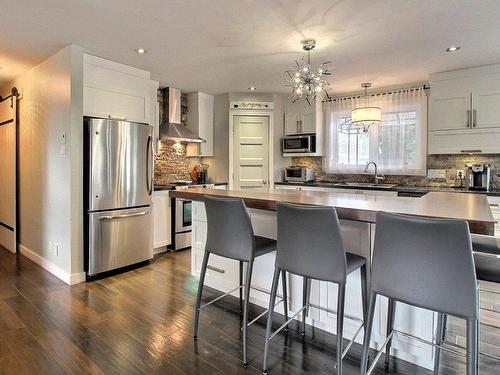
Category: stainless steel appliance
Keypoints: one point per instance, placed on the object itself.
(118, 159)
(299, 174)
(181, 216)
(171, 128)
(299, 144)
(479, 176)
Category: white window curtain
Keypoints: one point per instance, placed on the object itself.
(398, 144)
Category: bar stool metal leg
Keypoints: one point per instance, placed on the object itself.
(439, 341)
(272, 299)
(200, 292)
(472, 349)
(285, 296)
(241, 283)
(364, 291)
(245, 311)
(368, 332)
(340, 326)
(391, 310)
(305, 302)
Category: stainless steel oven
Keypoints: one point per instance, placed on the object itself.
(182, 223)
(182, 218)
(299, 144)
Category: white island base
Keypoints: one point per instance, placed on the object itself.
(222, 275)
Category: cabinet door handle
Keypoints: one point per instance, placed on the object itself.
(471, 151)
(467, 121)
(474, 118)
(219, 270)
(118, 118)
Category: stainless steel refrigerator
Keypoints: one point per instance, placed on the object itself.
(119, 164)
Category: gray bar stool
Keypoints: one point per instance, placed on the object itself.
(310, 245)
(230, 235)
(426, 263)
(487, 264)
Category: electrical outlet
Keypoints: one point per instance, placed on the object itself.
(460, 174)
(436, 173)
(54, 248)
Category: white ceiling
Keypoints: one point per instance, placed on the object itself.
(220, 46)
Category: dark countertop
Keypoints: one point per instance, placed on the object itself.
(171, 186)
(402, 189)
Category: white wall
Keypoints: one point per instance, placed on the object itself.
(219, 163)
(50, 187)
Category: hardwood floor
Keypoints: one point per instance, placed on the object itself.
(140, 323)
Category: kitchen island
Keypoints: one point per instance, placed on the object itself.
(358, 221)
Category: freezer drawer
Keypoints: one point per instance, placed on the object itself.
(120, 164)
(119, 238)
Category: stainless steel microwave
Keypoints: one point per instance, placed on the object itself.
(299, 144)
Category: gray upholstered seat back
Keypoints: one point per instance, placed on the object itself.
(309, 242)
(229, 229)
(426, 263)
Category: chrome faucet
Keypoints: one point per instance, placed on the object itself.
(377, 177)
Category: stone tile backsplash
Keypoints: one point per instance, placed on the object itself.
(448, 162)
(172, 164)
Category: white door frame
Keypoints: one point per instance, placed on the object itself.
(247, 112)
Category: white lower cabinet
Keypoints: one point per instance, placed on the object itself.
(222, 275)
(495, 210)
(161, 220)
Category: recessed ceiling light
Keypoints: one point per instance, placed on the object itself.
(140, 51)
(453, 49)
(252, 88)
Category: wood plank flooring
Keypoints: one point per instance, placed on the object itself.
(140, 322)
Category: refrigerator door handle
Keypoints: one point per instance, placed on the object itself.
(107, 218)
(149, 169)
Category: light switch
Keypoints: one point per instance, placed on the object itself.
(62, 146)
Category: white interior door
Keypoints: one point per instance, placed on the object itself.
(8, 174)
(251, 152)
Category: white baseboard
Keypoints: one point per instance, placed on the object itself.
(70, 279)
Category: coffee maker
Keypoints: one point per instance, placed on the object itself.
(479, 176)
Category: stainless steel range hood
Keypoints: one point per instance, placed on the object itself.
(171, 128)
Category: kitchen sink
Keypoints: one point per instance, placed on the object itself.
(364, 185)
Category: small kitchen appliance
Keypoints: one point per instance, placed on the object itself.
(304, 144)
(479, 176)
(299, 174)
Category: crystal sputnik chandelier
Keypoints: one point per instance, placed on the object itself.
(305, 81)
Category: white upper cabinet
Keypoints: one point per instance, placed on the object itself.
(302, 118)
(464, 111)
(200, 120)
(119, 91)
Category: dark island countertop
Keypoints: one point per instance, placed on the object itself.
(172, 186)
(473, 208)
(398, 188)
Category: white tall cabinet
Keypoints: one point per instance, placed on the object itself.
(464, 111)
